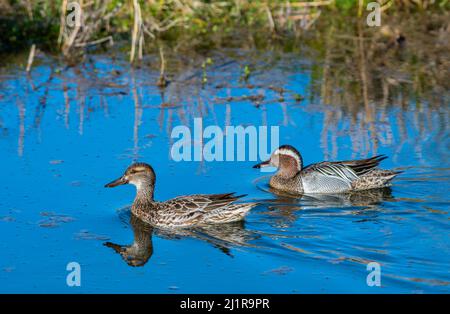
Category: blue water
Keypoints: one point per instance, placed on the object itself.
(62, 137)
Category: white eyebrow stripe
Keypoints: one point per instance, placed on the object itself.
(290, 153)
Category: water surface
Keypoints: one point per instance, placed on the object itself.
(65, 132)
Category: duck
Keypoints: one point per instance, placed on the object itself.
(327, 177)
(223, 237)
(182, 211)
(138, 253)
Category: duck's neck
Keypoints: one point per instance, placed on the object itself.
(286, 173)
(144, 192)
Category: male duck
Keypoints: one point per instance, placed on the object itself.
(325, 177)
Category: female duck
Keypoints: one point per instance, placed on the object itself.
(325, 177)
(182, 211)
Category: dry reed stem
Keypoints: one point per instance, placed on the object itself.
(62, 22)
(360, 7)
(162, 82)
(137, 30)
(269, 18)
(29, 8)
(96, 42)
(308, 4)
(31, 57)
(67, 45)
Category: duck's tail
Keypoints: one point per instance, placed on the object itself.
(230, 213)
(376, 178)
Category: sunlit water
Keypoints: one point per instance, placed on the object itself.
(62, 137)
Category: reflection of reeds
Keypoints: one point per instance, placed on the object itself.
(66, 105)
(20, 144)
(137, 116)
(358, 76)
(365, 72)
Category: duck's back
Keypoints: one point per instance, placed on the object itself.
(191, 210)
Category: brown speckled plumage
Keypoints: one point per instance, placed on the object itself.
(325, 177)
(182, 211)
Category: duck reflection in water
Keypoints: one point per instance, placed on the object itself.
(224, 237)
(138, 253)
(287, 206)
(359, 198)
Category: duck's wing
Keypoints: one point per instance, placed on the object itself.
(201, 202)
(202, 208)
(336, 176)
(193, 209)
(361, 166)
(326, 177)
(347, 170)
(330, 170)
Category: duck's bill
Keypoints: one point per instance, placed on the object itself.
(262, 164)
(116, 182)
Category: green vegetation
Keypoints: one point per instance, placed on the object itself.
(198, 23)
(206, 63)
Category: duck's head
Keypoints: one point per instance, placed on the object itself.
(139, 174)
(286, 158)
(133, 255)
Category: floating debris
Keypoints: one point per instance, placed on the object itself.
(353, 259)
(279, 90)
(7, 218)
(298, 97)
(114, 85)
(169, 105)
(427, 281)
(246, 74)
(53, 220)
(253, 98)
(283, 270)
(56, 162)
(86, 235)
(222, 85)
(116, 72)
(294, 248)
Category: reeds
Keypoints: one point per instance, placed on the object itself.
(90, 18)
(137, 37)
(101, 21)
